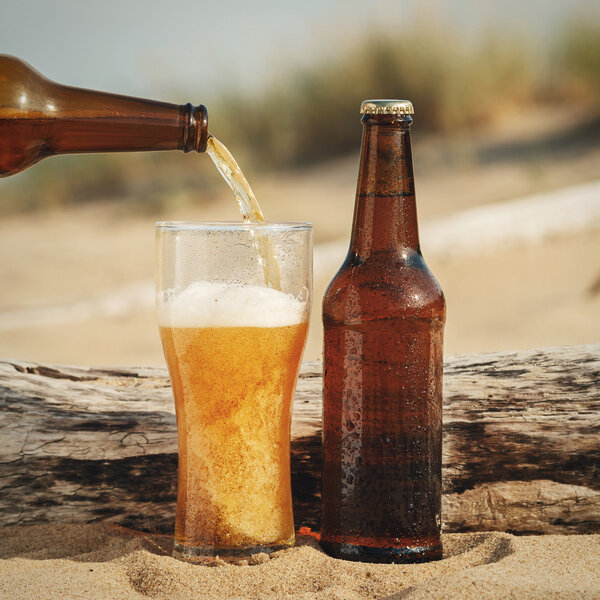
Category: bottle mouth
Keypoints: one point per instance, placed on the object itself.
(201, 117)
(195, 129)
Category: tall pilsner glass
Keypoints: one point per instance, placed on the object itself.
(233, 346)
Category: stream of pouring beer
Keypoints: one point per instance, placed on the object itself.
(249, 207)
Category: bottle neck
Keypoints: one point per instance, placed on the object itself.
(91, 121)
(40, 118)
(385, 212)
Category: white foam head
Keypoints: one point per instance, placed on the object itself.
(212, 304)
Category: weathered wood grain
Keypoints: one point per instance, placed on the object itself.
(521, 443)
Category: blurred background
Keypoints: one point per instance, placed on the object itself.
(506, 147)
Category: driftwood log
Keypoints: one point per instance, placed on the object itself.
(521, 444)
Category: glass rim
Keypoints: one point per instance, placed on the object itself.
(232, 226)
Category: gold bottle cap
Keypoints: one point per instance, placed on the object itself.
(386, 107)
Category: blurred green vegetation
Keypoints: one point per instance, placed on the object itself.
(578, 60)
(310, 114)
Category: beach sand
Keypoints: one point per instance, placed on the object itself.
(104, 561)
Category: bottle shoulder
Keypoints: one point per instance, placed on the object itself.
(388, 286)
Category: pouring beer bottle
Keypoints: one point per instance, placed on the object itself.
(383, 317)
(40, 118)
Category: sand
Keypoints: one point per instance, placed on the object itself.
(104, 561)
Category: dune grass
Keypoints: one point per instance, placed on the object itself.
(310, 114)
(578, 61)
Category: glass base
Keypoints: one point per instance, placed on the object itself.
(206, 554)
(406, 555)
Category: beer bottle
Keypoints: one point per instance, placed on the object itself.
(40, 118)
(383, 316)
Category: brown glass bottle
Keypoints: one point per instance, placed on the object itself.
(40, 118)
(383, 316)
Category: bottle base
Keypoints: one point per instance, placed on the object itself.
(207, 554)
(403, 555)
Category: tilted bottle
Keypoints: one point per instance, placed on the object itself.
(383, 317)
(40, 118)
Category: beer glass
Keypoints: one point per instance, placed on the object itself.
(233, 344)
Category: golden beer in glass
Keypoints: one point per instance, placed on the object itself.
(233, 347)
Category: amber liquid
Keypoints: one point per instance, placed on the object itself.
(233, 390)
(249, 207)
(381, 465)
